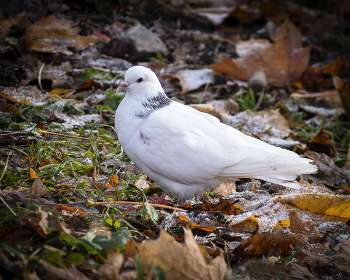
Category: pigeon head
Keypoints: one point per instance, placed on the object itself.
(140, 80)
(143, 86)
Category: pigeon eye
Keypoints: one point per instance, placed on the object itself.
(139, 80)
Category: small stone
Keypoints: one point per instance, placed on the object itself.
(146, 43)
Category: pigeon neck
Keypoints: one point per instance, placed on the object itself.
(152, 103)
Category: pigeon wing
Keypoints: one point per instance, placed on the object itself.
(185, 145)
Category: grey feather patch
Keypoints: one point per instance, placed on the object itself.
(153, 103)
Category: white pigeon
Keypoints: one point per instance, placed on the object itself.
(186, 151)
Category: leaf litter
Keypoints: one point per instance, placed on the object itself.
(72, 203)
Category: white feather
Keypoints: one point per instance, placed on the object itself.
(186, 151)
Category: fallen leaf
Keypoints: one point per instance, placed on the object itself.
(300, 272)
(300, 226)
(114, 180)
(194, 79)
(32, 174)
(56, 74)
(67, 210)
(38, 189)
(78, 120)
(266, 241)
(253, 251)
(344, 92)
(142, 184)
(245, 48)
(47, 162)
(321, 143)
(328, 173)
(31, 93)
(338, 263)
(225, 189)
(42, 222)
(195, 226)
(111, 268)
(249, 225)
(328, 204)
(282, 224)
(334, 67)
(90, 83)
(52, 272)
(51, 35)
(283, 62)
(19, 19)
(213, 109)
(9, 97)
(180, 262)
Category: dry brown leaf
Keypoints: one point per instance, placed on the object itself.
(344, 92)
(298, 272)
(70, 210)
(283, 62)
(90, 83)
(225, 189)
(51, 35)
(30, 276)
(41, 222)
(213, 109)
(267, 241)
(19, 19)
(180, 262)
(328, 173)
(195, 226)
(262, 123)
(300, 226)
(194, 79)
(249, 225)
(225, 206)
(52, 272)
(111, 268)
(56, 74)
(335, 67)
(253, 251)
(338, 263)
(269, 125)
(38, 189)
(47, 162)
(31, 93)
(321, 143)
(142, 184)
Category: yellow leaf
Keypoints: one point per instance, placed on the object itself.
(282, 224)
(346, 188)
(58, 91)
(341, 209)
(328, 204)
(8, 97)
(32, 174)
(195, 226)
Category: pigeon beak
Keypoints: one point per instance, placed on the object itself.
(123, 85)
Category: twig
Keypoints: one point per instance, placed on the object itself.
(13, 212)
(66, 135)
(108, 70)
(39, 75)
(3, 173)
(262, 93)
(90, 203)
